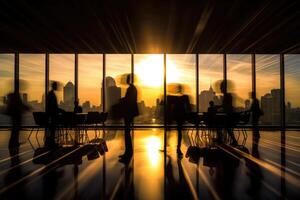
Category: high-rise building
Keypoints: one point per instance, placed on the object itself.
(205, 97)
(270, 104)
(112, 93)
(69, 96)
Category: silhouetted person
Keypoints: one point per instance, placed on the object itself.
(15, 109)
(52, 111)
(212, 109)
(178, 108)
(130, 110)
(77, 107)
(13, 175)
(211, 114)
(227, 107)
(256, 114)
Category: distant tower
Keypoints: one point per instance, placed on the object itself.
(205, 97)
(25, 98)
(112, 93)
(69, 94)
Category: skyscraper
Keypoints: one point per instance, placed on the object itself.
(205, 97)
(69, 96)
(112, 93)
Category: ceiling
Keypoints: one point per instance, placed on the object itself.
(190, 26)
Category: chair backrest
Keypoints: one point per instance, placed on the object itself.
(92, 118)
(40, 118)
(244, 117)
(67, 119)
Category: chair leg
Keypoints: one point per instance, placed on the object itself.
(30, 134)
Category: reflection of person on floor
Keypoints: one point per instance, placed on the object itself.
(15, 109)
(130, 110)
(255, 174)
(177, 187)
(52, 111)
(13, 175)
(227, 107)
(256, 114)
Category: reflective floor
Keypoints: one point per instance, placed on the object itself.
(265, 168)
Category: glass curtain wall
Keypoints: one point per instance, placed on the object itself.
(7, 64)
(62, 70)
(90, 76)
(210, 73)
(118, 67)
(292, 89)
(32, 84)
(149, 80)
(239, 76)
(149, 71)
(268, 87)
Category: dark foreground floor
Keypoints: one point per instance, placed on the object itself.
(261, 169)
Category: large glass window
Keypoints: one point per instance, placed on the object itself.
(239, 78)
(6, 84)
(149, 78)
(90, 81)
(292, 89)
(61, 69)
(268, 88)
(118, 66)
(210, 72)
(32, 83)
(181, 69)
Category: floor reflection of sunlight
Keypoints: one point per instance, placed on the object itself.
(152, 146)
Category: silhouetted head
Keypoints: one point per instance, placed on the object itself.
(253, 95)
(76, 103)
(211, 103)
(179, 89)
(128, 79)
(54, 85)
(223, 86)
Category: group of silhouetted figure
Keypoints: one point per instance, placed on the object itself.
(177, 110)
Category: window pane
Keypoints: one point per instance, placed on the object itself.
(210, 71)
(181, 68)
(239, 73)
(149, 73)
(32, 72)
(61, 69)
(268, 88)
(292, 89)
(6, 84)
(117, 65)
(90, 81)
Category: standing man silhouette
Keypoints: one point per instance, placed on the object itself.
(256, 114)
(130, 110)
(52, 111)
(182, 108)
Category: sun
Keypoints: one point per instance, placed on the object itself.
(150, 71)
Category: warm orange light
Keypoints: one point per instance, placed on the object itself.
(150, 71)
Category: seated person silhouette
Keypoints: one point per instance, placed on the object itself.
(52, 111)
(211, 113)
(130, 110)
